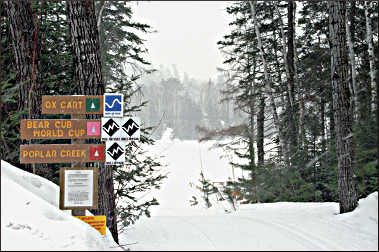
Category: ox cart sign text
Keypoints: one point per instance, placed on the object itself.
(79, 104)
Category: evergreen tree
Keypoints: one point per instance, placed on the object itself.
(123, 63)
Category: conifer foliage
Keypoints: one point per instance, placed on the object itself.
(293, 75)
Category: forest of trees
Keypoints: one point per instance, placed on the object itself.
(183, 104)
(299, 89)
(305, 75)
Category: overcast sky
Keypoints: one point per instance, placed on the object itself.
(187, 34)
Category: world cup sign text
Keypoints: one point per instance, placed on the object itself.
(77, 104)
(60, 129)
(61, 153)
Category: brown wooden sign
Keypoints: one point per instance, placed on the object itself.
(60, 129)
(61, 153)
(76, 104)
(78, 188)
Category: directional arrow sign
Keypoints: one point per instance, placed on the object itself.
(75, 104)
(61, 153)
(59, 129)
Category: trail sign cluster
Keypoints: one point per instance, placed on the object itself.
(79, 185)
(113, 128)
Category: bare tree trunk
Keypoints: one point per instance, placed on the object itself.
(350, 40)
(370, 49)
(299, 88)
(322, 118)
(260, 129)
(343, 111)
(291, 80)
(251, 132)
(87, 70)
(268, 88)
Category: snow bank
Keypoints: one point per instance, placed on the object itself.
(31, 218)
(365, 216)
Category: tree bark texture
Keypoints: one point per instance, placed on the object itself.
(350, 39)
(89, 81)
(86, 47)
(22, 30)
(291, 75)
(343, 110)
(260, 129)
(370, 45)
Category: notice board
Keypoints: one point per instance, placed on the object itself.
(78, 188)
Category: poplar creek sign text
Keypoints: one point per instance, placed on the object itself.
(61, 153)
(59, 129)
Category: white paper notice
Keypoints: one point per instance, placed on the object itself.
(78, 189)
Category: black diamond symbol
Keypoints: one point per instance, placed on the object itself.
(111, 127)
(130, 127)
(115, 151)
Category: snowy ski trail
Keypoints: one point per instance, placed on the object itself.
(175, 225)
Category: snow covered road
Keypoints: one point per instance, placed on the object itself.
(175, 225)
(272, 226)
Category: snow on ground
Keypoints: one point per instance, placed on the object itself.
(31, 218)
(175, 225)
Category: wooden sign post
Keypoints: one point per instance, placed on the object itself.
(78, 184)
(79, 212)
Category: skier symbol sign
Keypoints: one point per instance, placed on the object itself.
(120, 129)
(110, 129)
(130, 128)
(115, 152)
(113, 105)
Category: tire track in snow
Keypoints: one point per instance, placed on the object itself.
(201, 231)
(298, 236)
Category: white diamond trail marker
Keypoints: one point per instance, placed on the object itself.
(115, 152)
(110, 129)
(131, 128)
